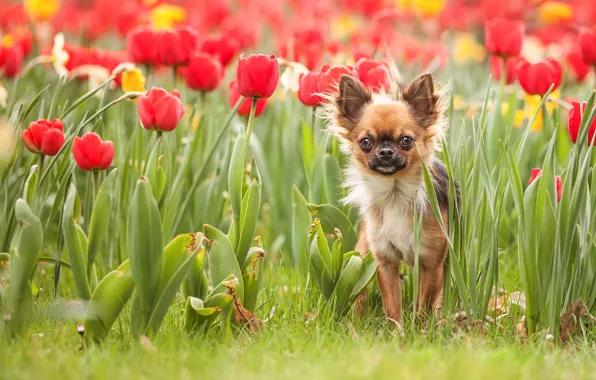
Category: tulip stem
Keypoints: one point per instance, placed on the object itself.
(313, 124)
(41, 161)
(95, 181)
(175, 74)
(251, 120)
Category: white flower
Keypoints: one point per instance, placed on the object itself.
(3, 96)
(8, 140)
(290, 79)
(96, 76)
(59, 55)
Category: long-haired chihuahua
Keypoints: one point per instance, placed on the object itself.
(387, 141)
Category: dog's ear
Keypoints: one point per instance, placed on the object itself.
(423, 101)
(350, 101)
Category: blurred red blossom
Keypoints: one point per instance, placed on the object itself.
(330, 76)
(374, 74)
(587, 45)
(203, 73)
(496, 68)
(536, 78)
(309, 89)
(244, 109)
(504, 37)
(575, 118)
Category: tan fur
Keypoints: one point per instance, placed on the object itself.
(418, 113)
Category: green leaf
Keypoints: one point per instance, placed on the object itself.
(250, 215)
(222, 259)
(369, 270)
(301, 219)
(145, 243)
(74, 248)
(331, 217)
(107, 302)
(345, 284)
(100, 219)
(178, 258)
(236, 179)
(332, 179)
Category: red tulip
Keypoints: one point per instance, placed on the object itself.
(160, 110)
(244, 109)
(587, 45)
(203, 73)
(11, 57)
(176, 47)
(309, 88)
(535, 173)
(257, 75)
(225, 49)
(91, 153)
(140, 42)
(374, 75)
(44, 137)
(578, 68)
(575, 118)
(504, 37)
(559, 187)
(496, 68)
(536, 78)
(330, 76)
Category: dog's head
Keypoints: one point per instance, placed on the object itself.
(382, 136)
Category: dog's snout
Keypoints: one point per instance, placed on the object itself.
(386, 153)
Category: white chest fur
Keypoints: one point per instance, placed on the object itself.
(387, 206)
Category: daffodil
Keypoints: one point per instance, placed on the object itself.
(166, 16)
(8, 140)
(343, 26)
(59, 55)
(466, 49)
(531, 103)
(41, 10)
(290, 79)
(428, 8)
(133, 80)
(3, 96)
(554, 12)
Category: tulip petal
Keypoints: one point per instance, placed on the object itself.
(52, 141)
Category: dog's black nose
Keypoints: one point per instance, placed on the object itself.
(386, 153)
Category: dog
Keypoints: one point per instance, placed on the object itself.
(387, 140)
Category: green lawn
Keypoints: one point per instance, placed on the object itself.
(295, 344)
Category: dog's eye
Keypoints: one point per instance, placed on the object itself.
(406, 143)
(366, 143)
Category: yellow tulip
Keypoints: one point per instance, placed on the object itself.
(41, 10)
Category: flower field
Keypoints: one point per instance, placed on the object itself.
(175, 198)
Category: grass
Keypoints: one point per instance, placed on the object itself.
(300, 340)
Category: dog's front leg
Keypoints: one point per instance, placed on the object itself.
(390, 285)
